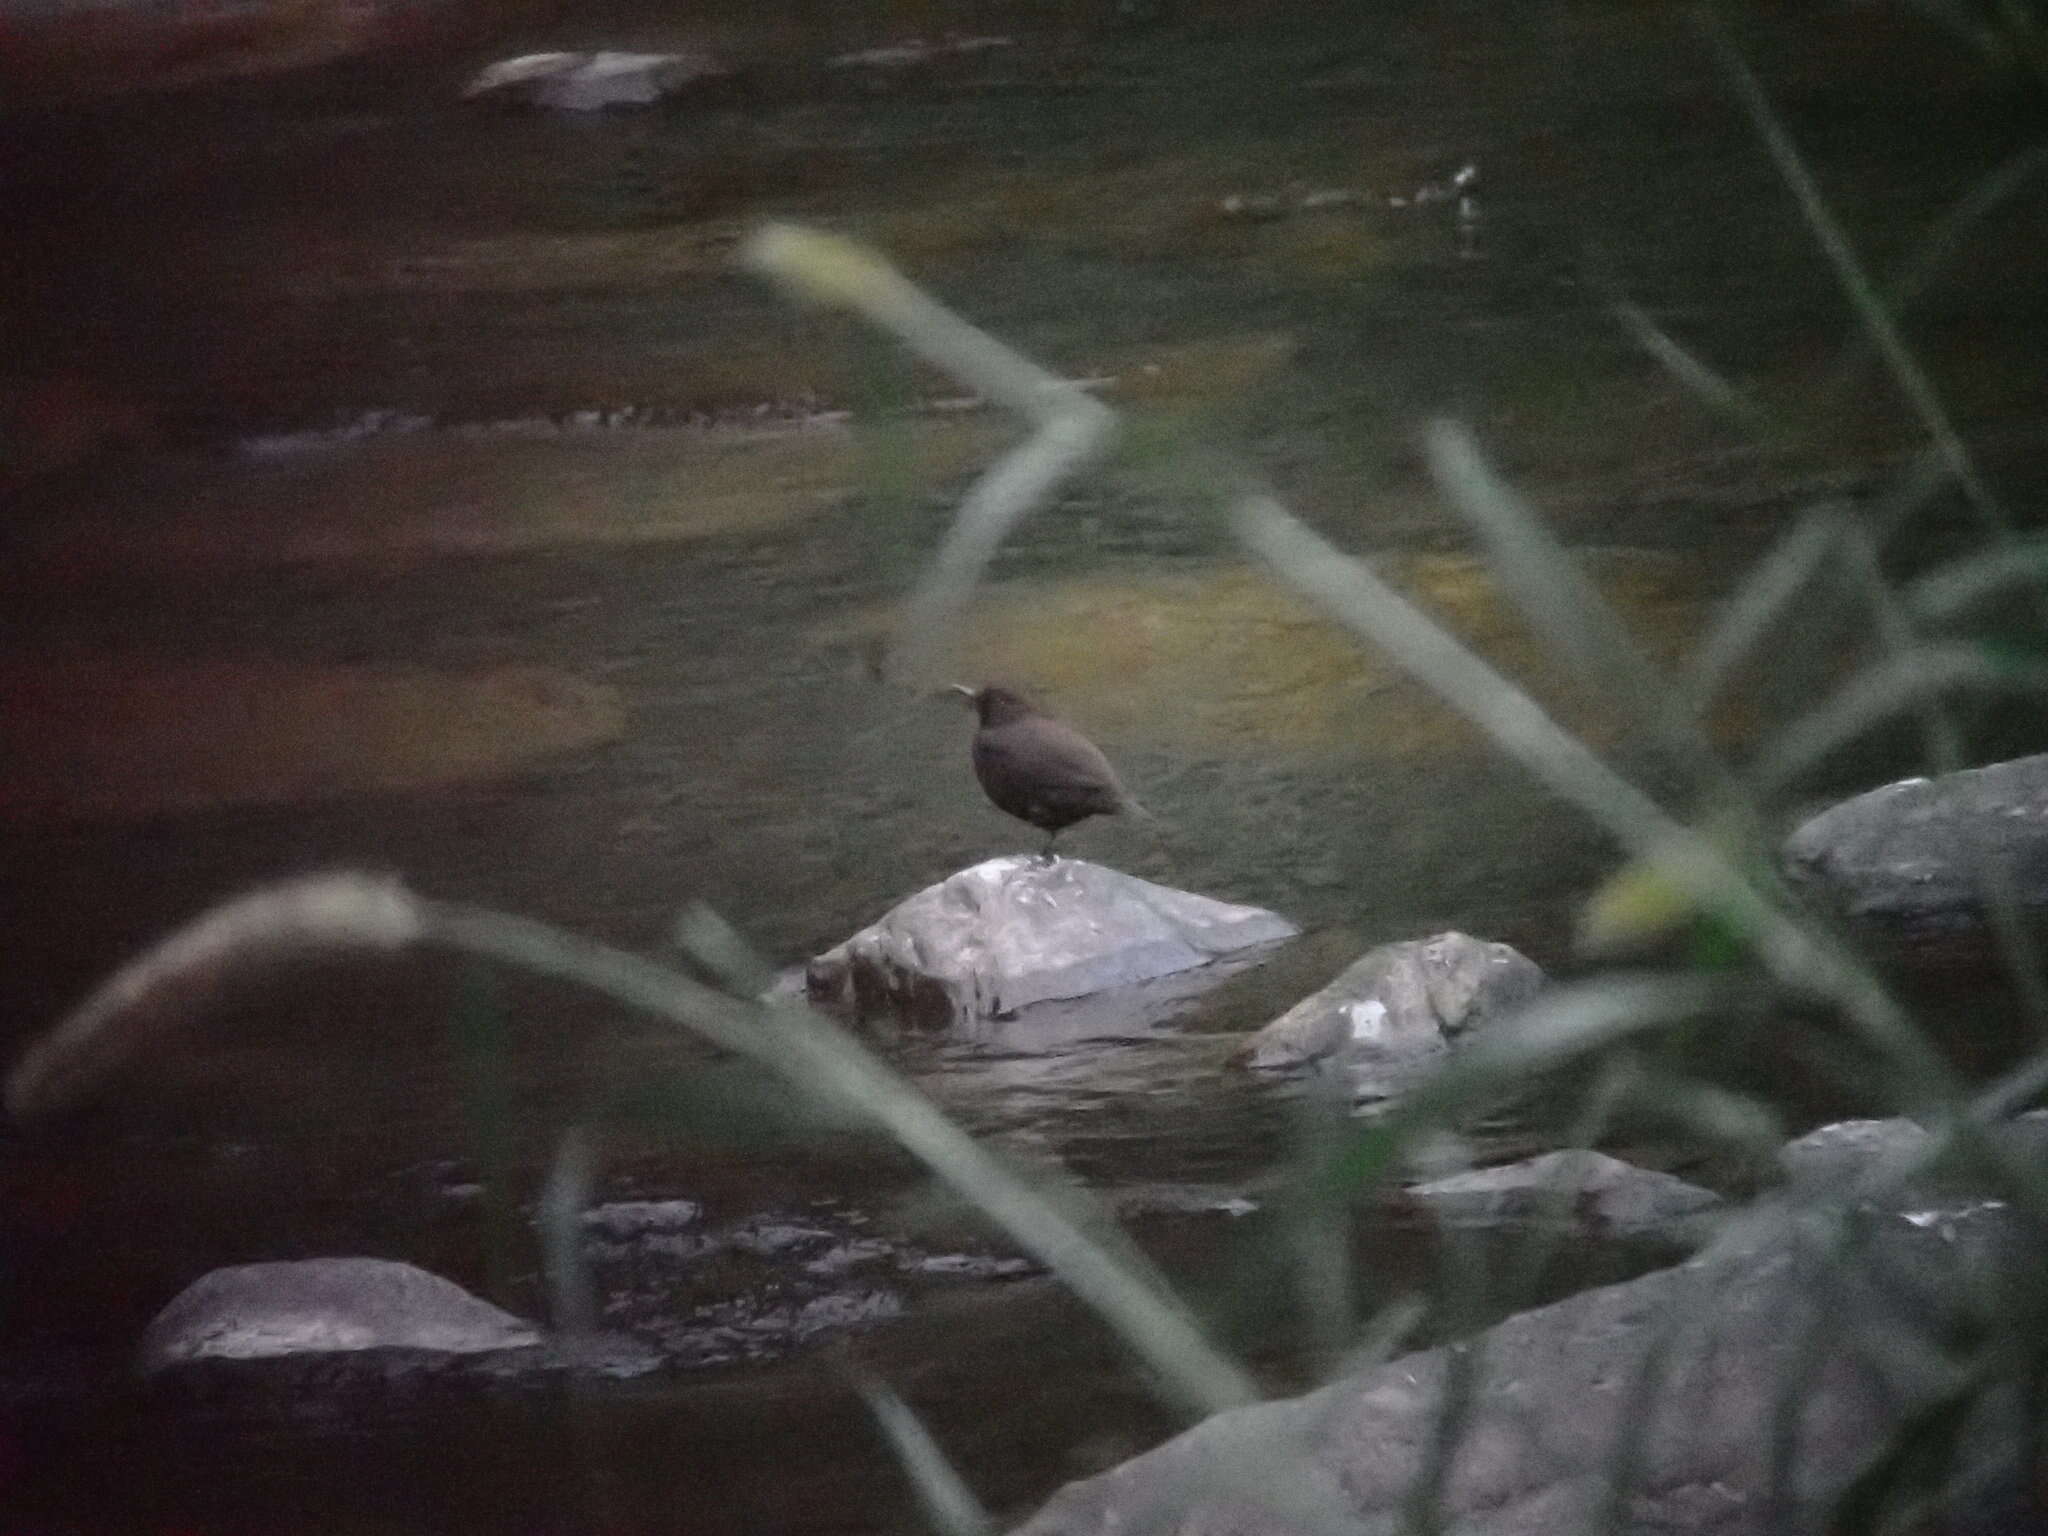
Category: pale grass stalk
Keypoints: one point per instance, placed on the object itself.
(1941, 241)
(950, 1507)
(1565, 1022)
(1554, 1200)
(344, 912)
(1648, 1396)
(1071, 426)
(184, 974)
(1317, 1222)
(1806, 961)
(1803, 960)
(1878, 692)
(1723, 398)
(1948, 592)
(1385, 1334)
(1989, 860)
(1943, 743)
(572, 1175)
(1554, 593)
(1856, 284)
(1762, 601)
(822, 1060)
(566, 1194)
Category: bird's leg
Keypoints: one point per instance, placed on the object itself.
(1045, 854)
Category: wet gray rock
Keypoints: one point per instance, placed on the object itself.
(1393, 1012)
(1916, 851)
(1554, 1396)
(1882, 1163)
(1839, 1158)
(1015, 931)
(1590, 1190)
(324, 1306)
(590, 82)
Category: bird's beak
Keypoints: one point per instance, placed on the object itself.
(965, 692)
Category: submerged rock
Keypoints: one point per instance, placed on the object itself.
(1397, 1009)
(590, 82)
(916, 50)
(695, 1291)
(1588, 1189)
(1015, 931)
(1919, 851)
(324, 1306)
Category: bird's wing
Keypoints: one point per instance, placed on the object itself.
(1065, 757)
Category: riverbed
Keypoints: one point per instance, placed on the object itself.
(418, 484)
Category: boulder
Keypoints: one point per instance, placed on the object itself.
(1916, 851)
(1590, 1190)
(590, 82)
(1882, 1163)
(1847, 1156)
(1016, 930)
(1556, 1402)
(1392, 1013)
(324, 1306)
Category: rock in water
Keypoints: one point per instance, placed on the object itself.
(1930, 851)
(321, 1306)
(1598, 1195)
(1544, 1414)
(1039, 769)
(590, 82)
(1393, 1012)
(1016, 931)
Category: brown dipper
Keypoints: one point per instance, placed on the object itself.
(1039, 769)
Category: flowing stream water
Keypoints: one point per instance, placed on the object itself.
(406, 483)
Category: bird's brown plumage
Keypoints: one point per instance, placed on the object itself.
(1039, 769)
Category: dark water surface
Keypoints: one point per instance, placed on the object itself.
(697, 586)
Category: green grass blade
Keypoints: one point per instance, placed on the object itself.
(821, 1059)
(1879, 692)
(1692, 375)
(1948, 593)
(1071, 427)
(1905, 369)
(1763, 601)
(564, 1198)
(949, 1504)
(1554, 593)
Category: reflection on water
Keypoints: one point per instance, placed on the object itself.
(193, 269)
(1120, 1114)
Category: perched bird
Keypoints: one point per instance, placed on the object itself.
(1039, 769)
